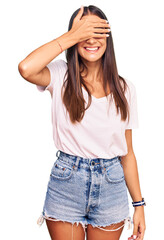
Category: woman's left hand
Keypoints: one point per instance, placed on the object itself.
(139, 222)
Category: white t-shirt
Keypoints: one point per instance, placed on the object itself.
(101, 133)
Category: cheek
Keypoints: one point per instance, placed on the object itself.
(79, 49)
(104, 47)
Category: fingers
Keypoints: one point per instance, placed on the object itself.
(86, 28)
(80, 13)
(138, 232)
(101, 28)
(132, 237)
(135, 230)
(101, 35)
(100, 24)
(141, 231)
(81, 9)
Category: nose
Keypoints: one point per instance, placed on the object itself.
(91, 40)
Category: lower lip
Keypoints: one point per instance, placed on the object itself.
(92, 51)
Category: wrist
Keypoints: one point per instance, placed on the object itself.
(139, 208)
(139, 203)
(67, 40)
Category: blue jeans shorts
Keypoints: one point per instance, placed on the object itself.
(86, 191)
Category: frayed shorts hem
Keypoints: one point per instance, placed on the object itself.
(127, 221)
(56, 219)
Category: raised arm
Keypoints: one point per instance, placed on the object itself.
(33, 67)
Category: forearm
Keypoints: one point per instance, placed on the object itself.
(43, 55)
(130, 168)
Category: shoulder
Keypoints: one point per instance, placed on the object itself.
(58, 64)
(129, 83)
(62, 63)
(131, 89)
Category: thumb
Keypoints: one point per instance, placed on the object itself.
(80, 13)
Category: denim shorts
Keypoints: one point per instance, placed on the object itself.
(87, 191)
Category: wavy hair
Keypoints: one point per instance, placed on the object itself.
(73, 97)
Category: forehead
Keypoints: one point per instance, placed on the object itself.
(91, 17)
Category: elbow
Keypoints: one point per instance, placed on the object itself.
(22, 68)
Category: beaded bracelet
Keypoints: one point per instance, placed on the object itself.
(139, 203)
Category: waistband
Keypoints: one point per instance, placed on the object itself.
(86, 161)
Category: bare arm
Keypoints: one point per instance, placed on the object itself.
(33, 67)
(129, 164)
(130, 169)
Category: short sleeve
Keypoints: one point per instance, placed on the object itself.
(133, 108)
(55, 68)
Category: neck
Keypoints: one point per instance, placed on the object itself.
(94, 71)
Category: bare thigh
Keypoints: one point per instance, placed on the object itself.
(94, 233)
(65, 231)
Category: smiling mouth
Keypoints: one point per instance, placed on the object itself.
(92, 49)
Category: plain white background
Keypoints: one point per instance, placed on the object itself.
(27, 148)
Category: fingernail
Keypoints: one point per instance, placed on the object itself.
(134, 236)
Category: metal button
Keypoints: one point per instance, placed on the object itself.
(57, 153)
(93, 163)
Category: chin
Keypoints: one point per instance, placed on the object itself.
(92, 58)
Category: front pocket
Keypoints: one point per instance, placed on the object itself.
(61, 170)
(114, 173)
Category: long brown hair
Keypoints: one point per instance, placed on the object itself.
(73, 97)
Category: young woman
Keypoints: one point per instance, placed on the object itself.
(93, 113)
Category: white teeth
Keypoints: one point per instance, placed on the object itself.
(93, 49)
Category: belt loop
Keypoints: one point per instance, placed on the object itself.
(57, 153)
(102, 165)
(76, 163)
